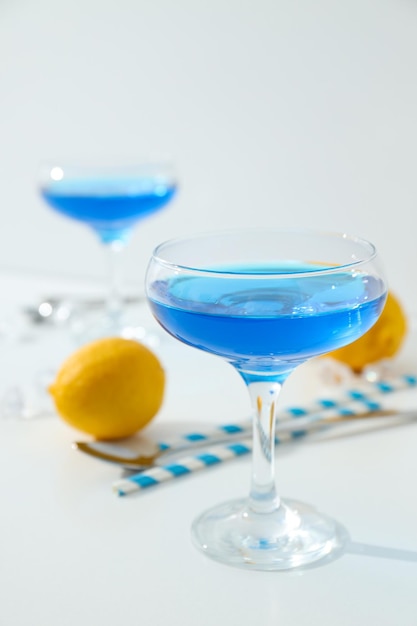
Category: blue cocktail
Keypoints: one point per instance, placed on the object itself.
(266, 301)
(289, 320)
(111, 204)
(111, 200)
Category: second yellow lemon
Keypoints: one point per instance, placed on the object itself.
(381, 341)
(109, 388)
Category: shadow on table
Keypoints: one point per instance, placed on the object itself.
(361, 549)
(381, 552)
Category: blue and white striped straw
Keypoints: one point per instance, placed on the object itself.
(353, 401)
(187, 465)
(308, 418)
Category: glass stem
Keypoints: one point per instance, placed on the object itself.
(263, 497)
(114, 296)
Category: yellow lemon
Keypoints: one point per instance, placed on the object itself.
(381, 341)
(109, 388)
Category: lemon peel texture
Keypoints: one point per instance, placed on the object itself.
(109, 388)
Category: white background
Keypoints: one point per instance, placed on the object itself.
(280, 112)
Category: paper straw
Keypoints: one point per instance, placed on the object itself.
(187, 465)
(190, 464)
(353, 401)
(220, 453)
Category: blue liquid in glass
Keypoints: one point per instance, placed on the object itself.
(258, 323)
(110, 206)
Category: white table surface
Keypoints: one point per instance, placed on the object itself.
(72, 553)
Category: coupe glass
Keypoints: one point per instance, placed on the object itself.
(266, 301)
(111, 199)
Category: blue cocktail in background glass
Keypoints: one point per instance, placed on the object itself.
(266, 301)
(111, 200)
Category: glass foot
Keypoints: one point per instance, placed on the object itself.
(295, 535)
